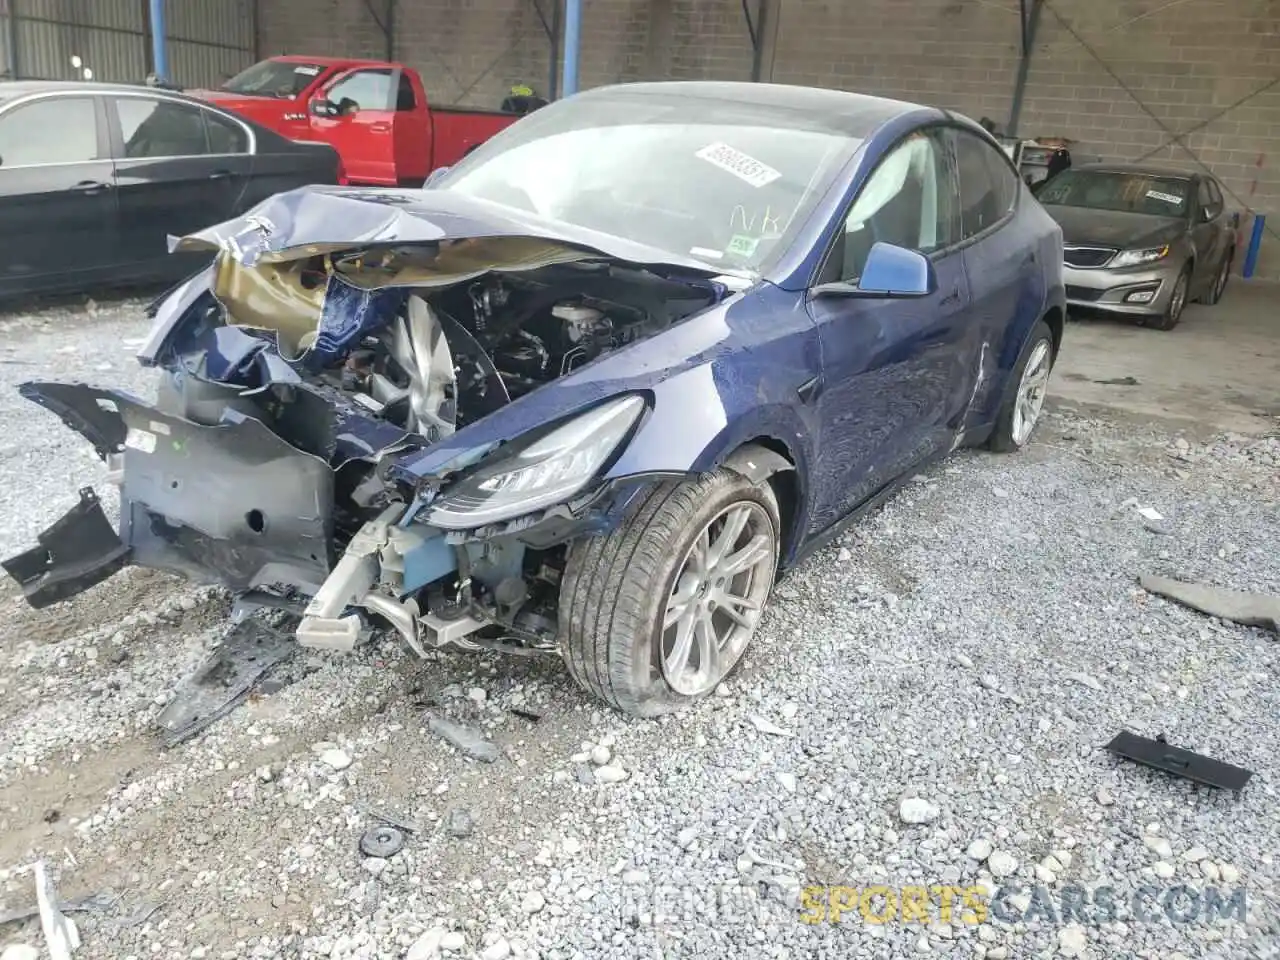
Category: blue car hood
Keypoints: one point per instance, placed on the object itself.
(320, 219)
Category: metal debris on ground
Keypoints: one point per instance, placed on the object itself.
(408, 826)
(471, 742)
(250, 650)
(382, 841)
(459, 822)
(60, 933)
(1160, 755)
(1249, 609)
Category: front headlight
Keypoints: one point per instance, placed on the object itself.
(1136, 258)
(539, 474)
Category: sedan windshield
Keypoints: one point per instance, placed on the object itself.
(284, 79)
(726, 183)
(1117, 190)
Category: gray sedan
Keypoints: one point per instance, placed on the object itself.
(1141, 241)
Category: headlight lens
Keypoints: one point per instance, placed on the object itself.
(1136, 258)
(539, 474)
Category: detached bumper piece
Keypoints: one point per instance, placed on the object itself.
(76, 553)
(1159, 755)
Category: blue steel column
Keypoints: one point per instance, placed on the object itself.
(572, 39)
(159, 50)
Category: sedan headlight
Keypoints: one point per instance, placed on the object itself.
(532, 475)
(1136, 258)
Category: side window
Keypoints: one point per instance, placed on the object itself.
(988, 188)
(160, 128)
(405, 99)
(57, 130)
(225, 136)
(362, 90)
(907, 201)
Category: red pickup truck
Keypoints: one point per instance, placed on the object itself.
(374, 113)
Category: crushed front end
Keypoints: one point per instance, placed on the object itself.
(351, 432)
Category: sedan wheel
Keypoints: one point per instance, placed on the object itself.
(717, 597)
(1024, 397)
(1177, 300)
(656, 613)
(1220, 282)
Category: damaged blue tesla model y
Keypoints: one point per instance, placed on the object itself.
(587, 393)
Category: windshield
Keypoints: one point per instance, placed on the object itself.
(284, 79)
(1114, 190)
(725, 183)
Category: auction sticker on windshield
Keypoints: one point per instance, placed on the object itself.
(306, 71)
(1172, 198)
(745, 168)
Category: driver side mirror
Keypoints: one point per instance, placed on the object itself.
(891, 272)
(322, 107)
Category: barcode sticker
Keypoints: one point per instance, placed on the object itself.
(745, 168)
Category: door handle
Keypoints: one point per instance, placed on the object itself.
(1029, 258)
(90, 187)
(220, 175)
(380, 127)
(952, 297)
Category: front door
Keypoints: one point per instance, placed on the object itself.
(179, 168)
(890, 367)
(1210, 233)
(57, 204)
(362, 125)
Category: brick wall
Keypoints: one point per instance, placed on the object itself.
(1188, 61)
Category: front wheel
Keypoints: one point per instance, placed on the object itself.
(657, 613)
(1029, 384)
(1177, 300)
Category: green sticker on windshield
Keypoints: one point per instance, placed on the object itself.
(741, 245)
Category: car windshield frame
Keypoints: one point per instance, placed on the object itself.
(661, 168)
(1147, 193)
(302, 71)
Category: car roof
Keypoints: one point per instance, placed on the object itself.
(12, 89)
(854, 114)
(326, 61)
(1153, 170)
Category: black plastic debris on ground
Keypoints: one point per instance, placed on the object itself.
(381, 841)
(248, 656)
(1159, 754)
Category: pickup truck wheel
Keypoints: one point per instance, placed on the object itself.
(1024, 397)
(655, 614)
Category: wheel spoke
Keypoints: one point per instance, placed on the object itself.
(755, 550)
(678, 659)
(734, 524)
(741, 610)
(698, 555)
(704, 636)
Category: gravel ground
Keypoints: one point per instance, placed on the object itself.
(924, 706)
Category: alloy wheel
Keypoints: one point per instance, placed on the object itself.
(717, 598)
(1031, 392)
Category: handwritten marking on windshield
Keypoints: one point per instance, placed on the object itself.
(746, 168)
(770, 225)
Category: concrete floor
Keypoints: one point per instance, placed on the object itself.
(1219, 368)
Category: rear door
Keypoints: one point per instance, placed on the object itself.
(57, 205)
(1001, 259)
(179, 168)
(412, 132)
(362, 124)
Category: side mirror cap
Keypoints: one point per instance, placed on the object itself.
(890, 272)
(322, 107)
(434, 175)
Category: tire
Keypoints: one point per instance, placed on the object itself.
(1008, 435)
(1173, 313)
(1220, 279)
(616, 589)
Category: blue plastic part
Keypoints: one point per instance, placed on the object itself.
(428, 562)
(1255, 245)
(349, 314)
(892, 269)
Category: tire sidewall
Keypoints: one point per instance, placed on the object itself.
(1002, 437)
(654, 694)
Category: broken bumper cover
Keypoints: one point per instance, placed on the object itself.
(231, 503)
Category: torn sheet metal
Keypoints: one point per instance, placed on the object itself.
(249, 652)
(1159, 754)
(1250, 609)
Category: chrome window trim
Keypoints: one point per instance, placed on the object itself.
(141, 94)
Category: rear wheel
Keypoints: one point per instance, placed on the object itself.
(1025, 396)
(1220, 281)
(1173, 313)
(657, 613)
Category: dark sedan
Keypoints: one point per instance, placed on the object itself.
(1141, 241)
(94, 179)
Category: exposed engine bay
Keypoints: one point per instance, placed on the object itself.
(297, 388)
